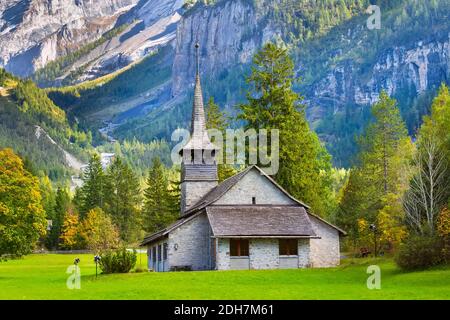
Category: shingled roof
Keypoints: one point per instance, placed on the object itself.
(216, 192)
(227, 184)
(162, 233)
(259, 221)
(199, 136)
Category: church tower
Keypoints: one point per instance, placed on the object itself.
(198, 167)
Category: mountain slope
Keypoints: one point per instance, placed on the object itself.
(343, 64)
(38, 130)
(68, 41)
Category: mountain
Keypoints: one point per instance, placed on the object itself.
(342, 63)
(38, 130)
(76, 40)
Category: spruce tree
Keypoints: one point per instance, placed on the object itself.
(216, 119)
(378, 181)
(381, 143)
(91, 194)
(122, 199)
(62, 204)
(159, 207)
(304, 163)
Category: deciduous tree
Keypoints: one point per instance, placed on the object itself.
(22, 218)
(97, 231)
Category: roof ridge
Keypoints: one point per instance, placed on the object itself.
(198, 204)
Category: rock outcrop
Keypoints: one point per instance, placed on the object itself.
(35, 32)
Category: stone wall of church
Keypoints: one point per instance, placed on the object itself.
(192, 241)
(253, 184)
(304, 253)
(263, 254)
(325, 251)
(192, 191)
(223, 254)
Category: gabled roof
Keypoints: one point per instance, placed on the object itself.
(259, 221)
(219, 191)
(162, 233)
(227, 184)
(216, 192)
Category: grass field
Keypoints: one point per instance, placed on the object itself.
(44, 277)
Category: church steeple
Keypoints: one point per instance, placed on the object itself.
(198, 168)
(198, 122)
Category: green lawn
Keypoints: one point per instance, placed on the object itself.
(44, 277)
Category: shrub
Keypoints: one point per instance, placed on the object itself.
(117, 261)
(420, 252)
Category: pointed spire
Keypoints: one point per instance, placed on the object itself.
(198, 125)
(197, 57)
(199, 136)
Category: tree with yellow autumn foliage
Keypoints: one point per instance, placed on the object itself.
(70, 239)
(97, 232)
(22, 218)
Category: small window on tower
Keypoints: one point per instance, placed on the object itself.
(253, 200)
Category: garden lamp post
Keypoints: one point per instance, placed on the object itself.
(97, 259)
(373, 227)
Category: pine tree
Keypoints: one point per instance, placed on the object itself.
(62, 205)
(122, 199)
(381, 143)
(159, 206)
(91, 194)
(378, 181)
(304, 163)
(216, 119)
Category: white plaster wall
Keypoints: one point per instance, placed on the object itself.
(194, 246)
(288, 262)
(325, 252)
(237, 263)
(253, 184)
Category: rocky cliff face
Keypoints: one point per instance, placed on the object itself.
(346, 66)
(416, 68)
(232, 31)
(229, 34)
(35, 32)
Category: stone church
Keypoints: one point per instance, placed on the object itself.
(246, 222)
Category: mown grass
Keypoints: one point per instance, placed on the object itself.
(44, 277)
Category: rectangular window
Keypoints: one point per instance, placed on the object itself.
(239, 247)
(159, 252)
(288, 247)
(154, 254)
(165, 245)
